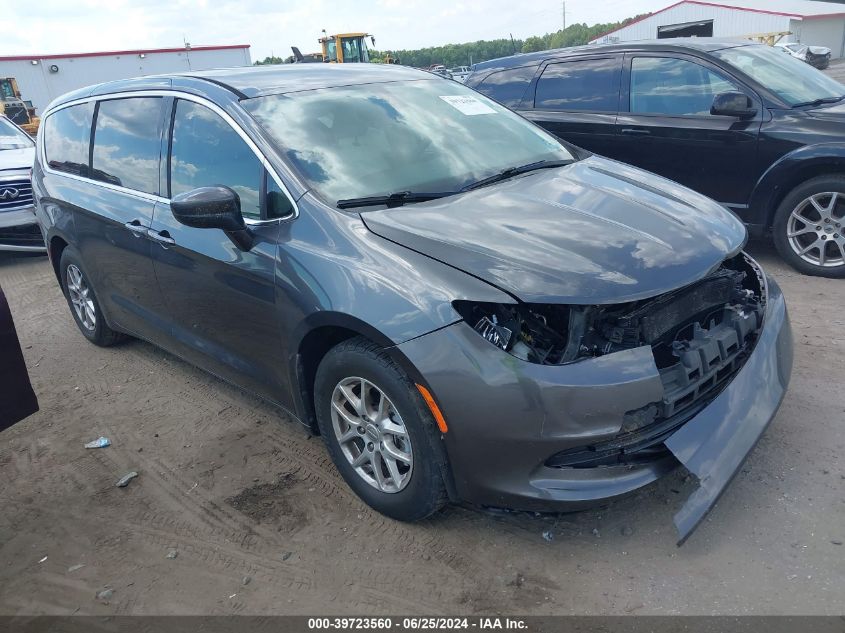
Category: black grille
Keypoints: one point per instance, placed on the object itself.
(15, 193)
(29, 235)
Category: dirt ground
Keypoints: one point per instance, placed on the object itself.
(262, 524)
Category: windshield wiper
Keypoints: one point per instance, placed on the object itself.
(394, 199)
(405, 197)
(510, 172)
(818, 102)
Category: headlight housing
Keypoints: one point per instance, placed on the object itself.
(549, 334)
(534, 333)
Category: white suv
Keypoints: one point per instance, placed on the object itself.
(18, 228)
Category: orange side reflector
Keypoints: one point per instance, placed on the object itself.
(435, 410)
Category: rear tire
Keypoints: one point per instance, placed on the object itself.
(82, 301)
(809, 227)
(364, 434)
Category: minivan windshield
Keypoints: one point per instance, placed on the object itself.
(402, 136)
(11, 137)
(794, 81)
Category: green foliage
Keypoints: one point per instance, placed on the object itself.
(574, 35)
(270, 60)
(452, 55)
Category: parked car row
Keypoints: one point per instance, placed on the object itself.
(755, 129)
(458, 73)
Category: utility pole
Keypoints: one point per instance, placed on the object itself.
(563, 11)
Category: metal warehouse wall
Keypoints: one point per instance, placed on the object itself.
(727, 22)
(828, 32)
(41, 86)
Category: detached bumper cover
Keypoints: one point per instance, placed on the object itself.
(507, 417)
(714, 444)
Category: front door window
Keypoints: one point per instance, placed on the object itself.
(206, 151)
(675, 87)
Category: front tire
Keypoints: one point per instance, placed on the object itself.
(809, 227)
(378, 432)
(82, 301)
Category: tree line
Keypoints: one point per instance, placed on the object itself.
(452, 55)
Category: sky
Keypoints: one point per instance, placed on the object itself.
(273, 26)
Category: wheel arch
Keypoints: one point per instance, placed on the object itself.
(55, 247)
(800, 165)
(318, 334)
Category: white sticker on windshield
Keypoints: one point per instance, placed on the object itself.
(468, 105)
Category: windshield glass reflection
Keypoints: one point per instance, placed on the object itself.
(791, 79)
(11, 137)
(421, 136)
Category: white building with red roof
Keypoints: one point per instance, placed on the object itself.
(808, 22)
(42, 78)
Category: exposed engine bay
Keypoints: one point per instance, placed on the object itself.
(730, 298)
(699, 334)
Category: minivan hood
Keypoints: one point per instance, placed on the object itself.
(19, 158)
(596, 231)
(835, 112)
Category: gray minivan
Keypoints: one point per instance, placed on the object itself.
(464, 307)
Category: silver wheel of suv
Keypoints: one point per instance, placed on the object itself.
(371, 434)
(81, 298)
(815, 230)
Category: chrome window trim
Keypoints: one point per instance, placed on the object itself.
(178, 94)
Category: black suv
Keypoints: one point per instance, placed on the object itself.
(757, 130)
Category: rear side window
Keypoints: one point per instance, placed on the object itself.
(206, 151)
(507, 86)
(67, 138)
(589, 84)
(665, 85)
(127, 143)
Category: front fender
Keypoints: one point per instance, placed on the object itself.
(332, 274)
(788, 172)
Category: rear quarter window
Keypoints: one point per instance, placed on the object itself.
(67, 138)
(585, 85)
(507, 86)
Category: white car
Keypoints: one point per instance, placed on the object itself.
(18, 228)
(460, 73)
(818, 56)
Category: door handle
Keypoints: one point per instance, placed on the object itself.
(162, 238)
(635, 131)
(137, 228)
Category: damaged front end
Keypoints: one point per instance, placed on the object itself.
(681, 355)
(699, 336)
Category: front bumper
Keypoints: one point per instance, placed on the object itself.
(507, 417)
(818, 61)
(19, 231)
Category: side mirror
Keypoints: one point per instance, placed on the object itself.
(735, 104)
(213, 208)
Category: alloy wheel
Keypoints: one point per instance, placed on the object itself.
(815, 230)
(81, 298)
(371, 434)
